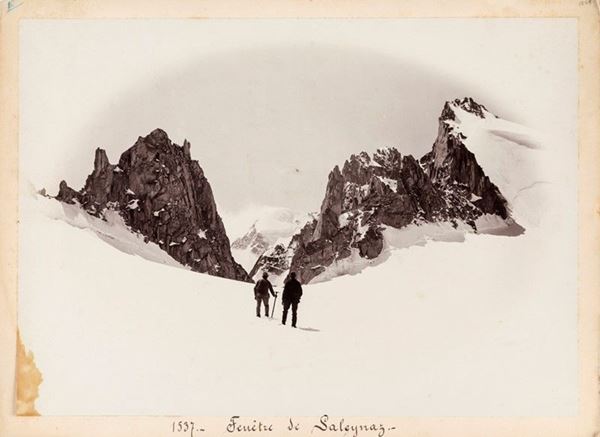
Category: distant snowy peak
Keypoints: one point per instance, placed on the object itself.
(271, 225)
(253, 241)
(280, 222)
(268, 236)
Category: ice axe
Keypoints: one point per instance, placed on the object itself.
(274, 302)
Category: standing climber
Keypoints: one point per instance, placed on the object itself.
(292, 292)
(261, 293)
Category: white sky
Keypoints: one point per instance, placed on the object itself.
(270, 106)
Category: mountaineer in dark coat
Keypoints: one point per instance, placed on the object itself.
(292, 292)
(261, 293)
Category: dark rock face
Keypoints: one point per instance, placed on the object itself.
(163, 194)
(331, 208)
(450, 163)
(391, 190)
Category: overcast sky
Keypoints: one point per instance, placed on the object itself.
(270, 106)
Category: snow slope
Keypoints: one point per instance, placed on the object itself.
(481, 327)
(112, 230)
(416, 235)
(245, 257)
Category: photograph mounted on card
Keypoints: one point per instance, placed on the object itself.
(274, 217)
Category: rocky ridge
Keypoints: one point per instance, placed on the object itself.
(389, 189)
(164, 195)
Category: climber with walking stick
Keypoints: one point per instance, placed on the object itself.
(261, 294)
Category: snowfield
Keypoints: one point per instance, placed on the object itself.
(480, 327)
(445, 322)
(112, 230)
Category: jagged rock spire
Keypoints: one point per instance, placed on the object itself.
(163, 194)
(388, 189)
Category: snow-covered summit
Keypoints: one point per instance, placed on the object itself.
(261, 228)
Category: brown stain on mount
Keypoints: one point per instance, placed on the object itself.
(29, 379)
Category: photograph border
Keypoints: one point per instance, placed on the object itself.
(587, 13)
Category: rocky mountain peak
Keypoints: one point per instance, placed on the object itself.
(332, 204)
(388, 157)
(186, 149)
(357, 168)
(157, 138)
(101, 163)
(450, 162)
(392, 190)
(466, 104)
(163, 194)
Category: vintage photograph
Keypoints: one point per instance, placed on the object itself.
(361, 217)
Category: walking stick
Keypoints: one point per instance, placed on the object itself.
(274, 302)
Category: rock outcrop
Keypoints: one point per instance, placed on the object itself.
(163, 194)
(392, 190)
(451, 163)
